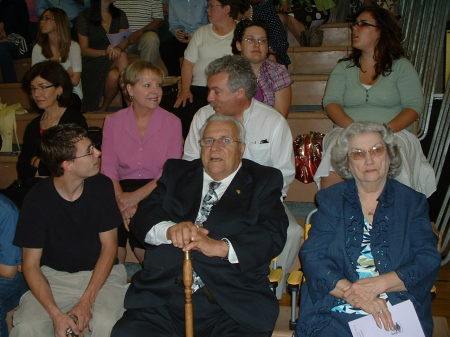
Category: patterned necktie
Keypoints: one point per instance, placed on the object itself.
(209, 200)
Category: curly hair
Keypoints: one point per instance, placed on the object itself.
(339, 153)
(389, 47)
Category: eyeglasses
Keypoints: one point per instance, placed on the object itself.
(363, 24)
(89, 152)
(42, 87)
(223, 141)
(213, 5)
(46, 18)
(251, 40)
(375, 151)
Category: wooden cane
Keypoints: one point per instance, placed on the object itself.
(187, 281)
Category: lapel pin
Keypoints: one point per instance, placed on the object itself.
(238, 191)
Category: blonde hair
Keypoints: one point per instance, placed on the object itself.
(132, 73)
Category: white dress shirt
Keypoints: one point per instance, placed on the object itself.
(157, 235)
(268, 139)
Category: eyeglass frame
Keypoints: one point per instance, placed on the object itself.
(251, 40)
(363, 23)
(90, 150)
(374, 152)
(222, 141)
(42, 87)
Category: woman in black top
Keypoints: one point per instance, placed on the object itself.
(51, 90)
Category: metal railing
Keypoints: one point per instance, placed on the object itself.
(424, 23)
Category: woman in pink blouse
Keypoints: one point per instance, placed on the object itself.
(137, 141)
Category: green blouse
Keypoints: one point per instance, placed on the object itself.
(383, 100)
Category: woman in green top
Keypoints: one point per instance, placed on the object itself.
(377, 83)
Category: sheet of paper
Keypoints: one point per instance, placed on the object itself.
(405, 319)
(117, 38)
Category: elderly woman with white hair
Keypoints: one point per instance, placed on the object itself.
(371, 244)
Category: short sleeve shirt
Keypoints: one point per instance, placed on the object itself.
(68, 231)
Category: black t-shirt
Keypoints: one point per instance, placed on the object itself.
(68, 232)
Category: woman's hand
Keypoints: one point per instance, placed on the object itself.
(364, 294)
(380, 313)
(127, 214)
(128, 199)
(113, 53)
(183, 97)
(362, 291)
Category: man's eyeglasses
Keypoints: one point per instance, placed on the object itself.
(41, 87)
(374, 152)
(223, 141)
(89, 152)
(363, 24)
(251, 40)
(213, 5)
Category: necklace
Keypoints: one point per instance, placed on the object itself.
(368, 211)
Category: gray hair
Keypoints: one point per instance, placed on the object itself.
(339, 153)
(223, 118)
(239, 70)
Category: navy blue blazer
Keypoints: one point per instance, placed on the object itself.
(250, 214)
(402, 240)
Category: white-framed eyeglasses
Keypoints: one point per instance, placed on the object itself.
(222, 141)
(375, 151)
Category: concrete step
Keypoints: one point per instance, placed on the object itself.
(334, 34)
(308, 89)
(315, 60)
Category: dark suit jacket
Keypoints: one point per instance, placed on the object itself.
(250, 214)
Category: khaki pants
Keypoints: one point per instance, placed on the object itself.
(31, 319)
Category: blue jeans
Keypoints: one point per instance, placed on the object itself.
(8, 52)
(11, 289)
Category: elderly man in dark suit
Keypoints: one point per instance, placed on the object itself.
(243, 226)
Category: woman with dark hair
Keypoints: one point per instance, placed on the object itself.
(377, 83)
(274, 84)
(54, 43)
(102, 62)
(51, 90)
(371, 244)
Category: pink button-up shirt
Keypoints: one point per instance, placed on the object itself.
(126, 156)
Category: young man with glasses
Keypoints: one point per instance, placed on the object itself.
(67, 229)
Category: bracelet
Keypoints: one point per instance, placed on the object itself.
(387, 127)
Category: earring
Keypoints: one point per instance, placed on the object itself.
(131, 98)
